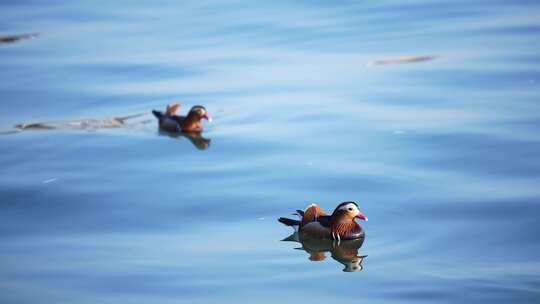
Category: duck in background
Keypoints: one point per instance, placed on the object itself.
(170, 122)
(171, 125)
(314, 223)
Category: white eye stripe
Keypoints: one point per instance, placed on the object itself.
(349, 207)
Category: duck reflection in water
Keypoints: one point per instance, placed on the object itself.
(345, 252)
(200, 142)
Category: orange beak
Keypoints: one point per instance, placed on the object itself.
(362, 217)
(207, 117)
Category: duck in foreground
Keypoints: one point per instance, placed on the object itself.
(314, 223)
(170, 122)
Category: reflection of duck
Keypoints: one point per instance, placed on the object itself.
(170, 122)
(315, 224)
(195, 138)
(345, 252)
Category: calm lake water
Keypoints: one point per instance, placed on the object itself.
(441, 155)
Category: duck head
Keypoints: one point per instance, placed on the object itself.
(198, 113)
(348, 210)
(192, 123)
(343, 224)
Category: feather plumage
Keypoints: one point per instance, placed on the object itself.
(170, 122)
(315, 223)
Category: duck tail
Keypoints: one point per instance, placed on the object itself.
(288, 221)
(157, 114)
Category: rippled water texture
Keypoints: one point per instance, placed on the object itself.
(425, 113)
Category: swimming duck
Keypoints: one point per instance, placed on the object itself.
(170, 122)
(340, 225)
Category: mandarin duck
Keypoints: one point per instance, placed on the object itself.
(170, 122)
(314, 223)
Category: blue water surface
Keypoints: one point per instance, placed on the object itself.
(441, 155)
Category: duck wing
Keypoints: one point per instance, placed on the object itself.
(172, 109)
(179, 119)
(324, 221)
(312, 213)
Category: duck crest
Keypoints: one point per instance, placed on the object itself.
(345, 204)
